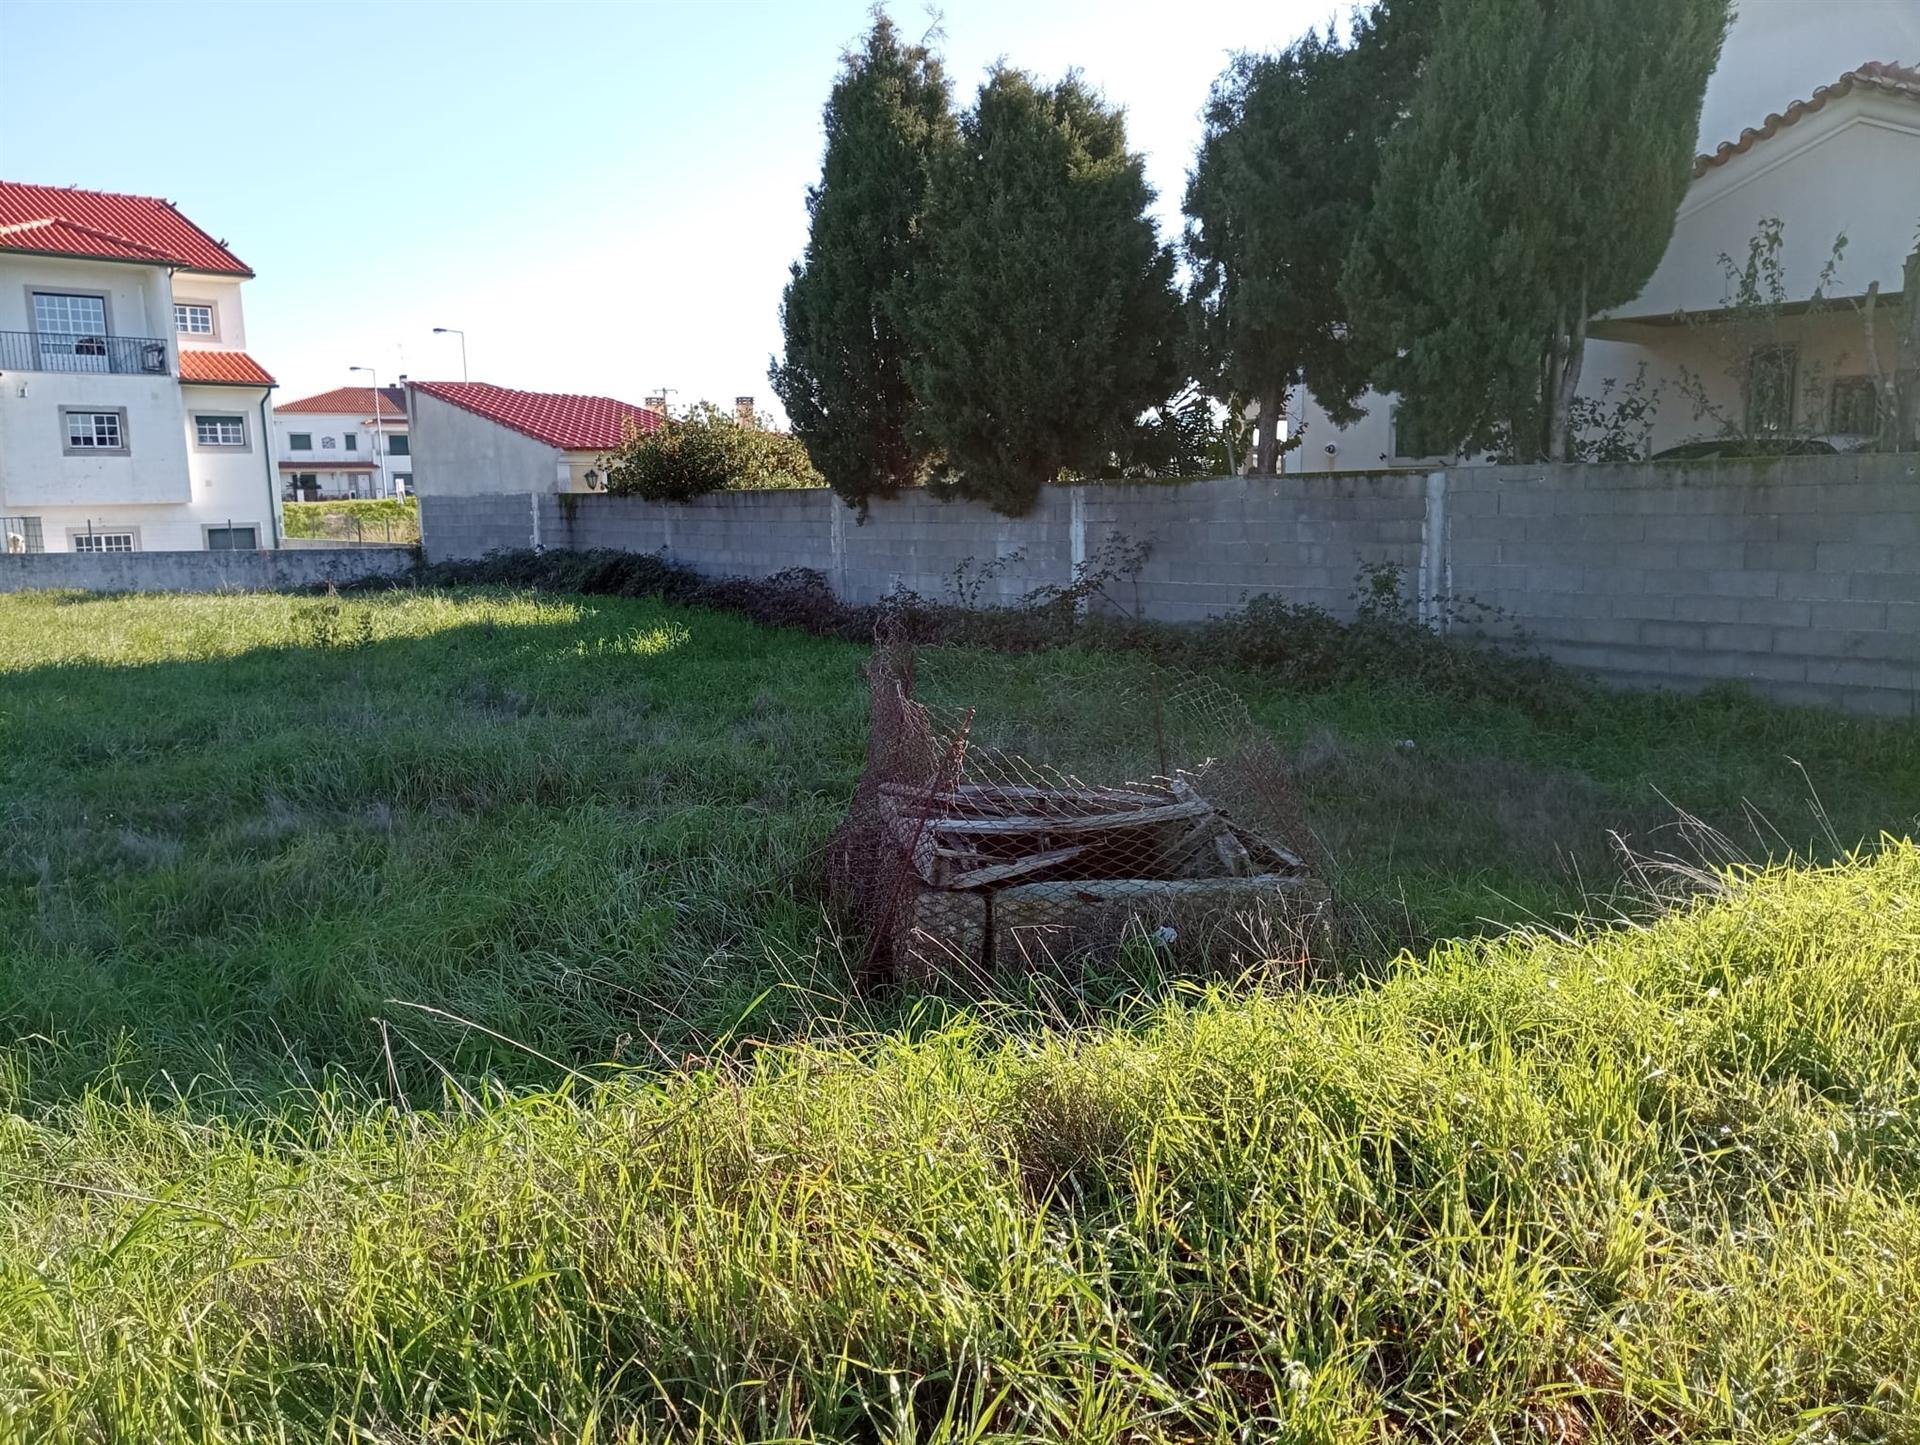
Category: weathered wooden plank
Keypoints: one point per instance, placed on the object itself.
(1094, 823)
(1186, 850)
(1233, 855)
(999, 796)
(1036, 921)
(1000, 872)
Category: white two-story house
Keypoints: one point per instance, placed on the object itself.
(131, 416)
(1843, 160)
(348, 442)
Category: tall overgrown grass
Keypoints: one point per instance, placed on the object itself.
(1635, 1185)
(421, 1023)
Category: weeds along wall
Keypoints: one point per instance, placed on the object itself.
(1798, 576)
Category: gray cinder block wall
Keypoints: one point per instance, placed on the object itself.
(1799, 576)
(201, 571)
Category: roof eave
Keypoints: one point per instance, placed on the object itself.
(160, 261)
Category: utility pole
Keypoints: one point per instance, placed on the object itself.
(379, 452)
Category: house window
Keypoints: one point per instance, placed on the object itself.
(220, 431)
(300, 441)
(1770, 378)
(397, 445)
(353, 441)
(70, 331)
(102, 542)
(66, 314)
(193, 318)
(97, 433)
(1855, 409)
(1410, 439)
(232, 539)
(22, 534)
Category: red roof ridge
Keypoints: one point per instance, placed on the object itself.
(104, 223)
(94, 231)
(346, 400)
(572, 421)
(222, 368)
(1888, 76)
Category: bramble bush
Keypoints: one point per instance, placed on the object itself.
(1296, 645)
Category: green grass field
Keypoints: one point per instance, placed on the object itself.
(419, 1020)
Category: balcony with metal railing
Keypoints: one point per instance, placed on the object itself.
(59, 351)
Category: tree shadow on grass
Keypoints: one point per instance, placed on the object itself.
(405, 862)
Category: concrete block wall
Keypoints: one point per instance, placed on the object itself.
(454, 527)
(200, 571)
(1213, 543)
(1798, 576)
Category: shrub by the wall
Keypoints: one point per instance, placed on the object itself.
(707, 450)
(385, 519)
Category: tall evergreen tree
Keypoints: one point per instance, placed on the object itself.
(1045, 322)
(1284, 176)
(843, 379)
(1533, 185)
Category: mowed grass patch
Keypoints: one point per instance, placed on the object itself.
(1638, 1185)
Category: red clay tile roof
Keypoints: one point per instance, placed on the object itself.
(223, 368)
(574, 423)
(357, 400)
(1886, 76)
(62, 221)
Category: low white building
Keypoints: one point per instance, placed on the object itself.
(1844, 160)
(352, 441)
(131, 416)
(471, 438)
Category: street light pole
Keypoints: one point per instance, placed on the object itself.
(456, 331)
(379, 453)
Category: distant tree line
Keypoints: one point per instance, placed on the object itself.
(1433, 200)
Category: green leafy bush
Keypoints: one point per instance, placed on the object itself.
(708, 450)
(382, 519)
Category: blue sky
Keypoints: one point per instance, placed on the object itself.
(605, 196)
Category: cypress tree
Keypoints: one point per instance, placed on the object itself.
(1045, 322)
(1283, 178)
(1533, 185)
(843, 379)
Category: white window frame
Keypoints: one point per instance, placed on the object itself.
(181, 318)
(299, 441)
(69, 447)
(243, 443)
(103, 541)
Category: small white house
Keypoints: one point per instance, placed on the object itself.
(131, 416)
(1846, 159)
(471, 438)
(352, 441)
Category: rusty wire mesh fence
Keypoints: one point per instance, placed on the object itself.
(965, 861)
